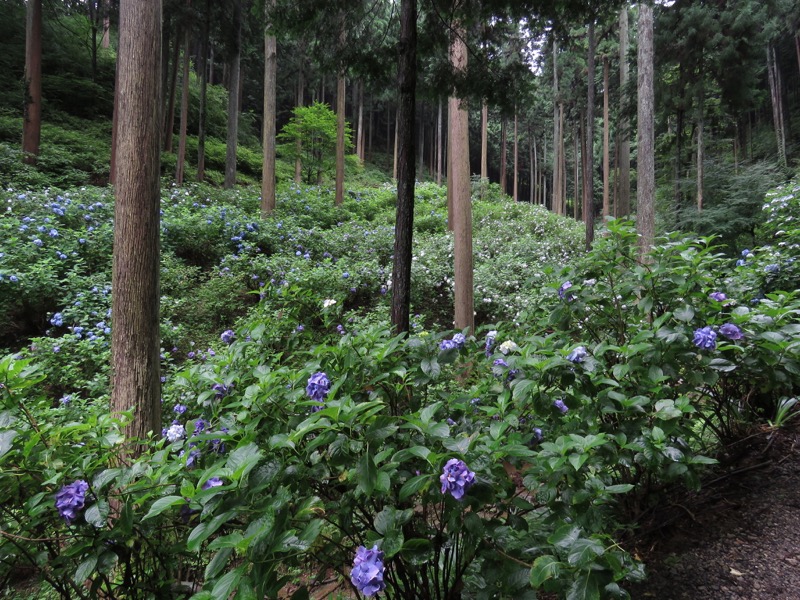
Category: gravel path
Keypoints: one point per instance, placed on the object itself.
(736, 539)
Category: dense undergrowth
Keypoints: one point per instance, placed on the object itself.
(307, 429)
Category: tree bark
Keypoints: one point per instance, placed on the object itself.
(232, 140)
(555, 202)
(135, 279)
(503, 161)
(484, 141)
(515, 187)
(622, 208)
(404, 223)
(645, 189)
(396, 134)
(202, 71)
(169, 113)
(340, 107)
(462, 210)
(531, 166)
(270, 87)
(181, 163)
(439, 145)
(106, 40)
(576, 170)
(588, 174)
(32, 110)
(700, 159)
(298, 165)
(776, 94)
(606, 144)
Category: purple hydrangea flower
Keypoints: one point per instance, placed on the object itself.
(367, 573)
(537, 434)
(562, 289)
(175, 432)
(221, 390)
(718, 296)
(559, 404)
(299, 329)
(731, 331)
(577, 355)
(212, 483)
(227, 336)
(448, 345)
(317, 388)
(705, 338)
(500, 363)
(200, 426)
(460, 339)
(456, 478)
(179, 408)
(70, 500)
(490, 338)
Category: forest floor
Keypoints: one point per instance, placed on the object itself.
(738, 538)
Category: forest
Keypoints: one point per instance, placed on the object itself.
(393, 298)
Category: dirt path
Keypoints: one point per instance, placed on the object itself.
(736, 539)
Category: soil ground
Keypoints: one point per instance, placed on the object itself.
(738, 538)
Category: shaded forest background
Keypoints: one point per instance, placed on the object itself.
(727, 97)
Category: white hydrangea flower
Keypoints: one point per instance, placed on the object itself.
(175, 432)
(328, 302)
(508, 346)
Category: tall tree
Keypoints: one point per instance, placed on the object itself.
(622, 207)
(202, 69)
(181, 163)
(588, 170)
(606, 149)
(234, 65)
(404, 223)
(458, 142)
(340, 110)
(32, 115)
(270, 87)
(646, 176)
(135, 334)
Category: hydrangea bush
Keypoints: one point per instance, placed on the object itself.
(491, 463)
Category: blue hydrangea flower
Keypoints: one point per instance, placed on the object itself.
(456, 478)
(559, 404)
(57, 319)
(212, 483)
(705, 338)
(460, 339)
(562, 289)
(731, 331)
(180, 408)
(773, 268)
(448, 345)
(70, 500)
(577, 355)
(537, 435)
(65, 400)
(490, 338)
(367, 573)
(175, 432)
(227, 336)
(317, 388)
(718, 296)
(199, 426)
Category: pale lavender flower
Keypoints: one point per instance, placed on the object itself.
(70, 500)
(731, 331)
(559, 404)
(367, 573)
(705, 338)
(577, 355)
(456, 478)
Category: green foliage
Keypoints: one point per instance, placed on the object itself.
(253, 481)
(314, 129)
